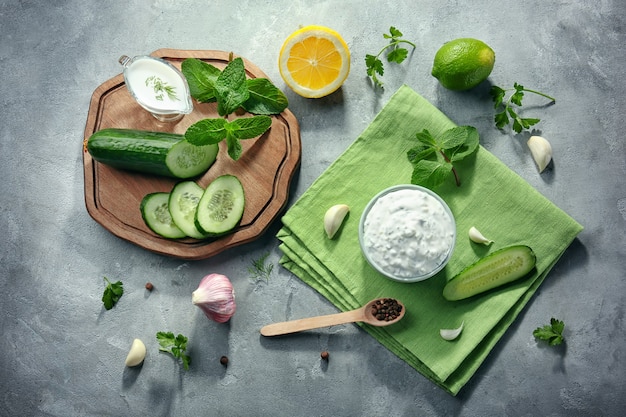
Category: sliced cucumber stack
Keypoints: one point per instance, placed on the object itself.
(221, 207)
(499, 268)
(183, 202)
(155, 212)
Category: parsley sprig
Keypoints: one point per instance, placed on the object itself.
(260, 269)
(231, 90)
(434, 157)
(551, 333)
(501, 118)
(396, 54)
(112, 293)
(175, 345)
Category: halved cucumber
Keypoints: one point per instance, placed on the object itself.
(156, 214)
(221, 207)
(183, 202)
(158, 153)
(499, 268)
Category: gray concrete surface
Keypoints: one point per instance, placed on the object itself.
(61, 354)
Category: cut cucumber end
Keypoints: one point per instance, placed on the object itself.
(185, 160)
(501, 267)
(221, 207)
(155, 213)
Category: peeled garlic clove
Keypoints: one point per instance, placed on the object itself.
(333, 219)
(451, 334)
(541, 151)
(215, 296)
(136, 354)
(477, 237)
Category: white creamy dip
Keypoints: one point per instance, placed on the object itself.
(157, 86)
(408, 233)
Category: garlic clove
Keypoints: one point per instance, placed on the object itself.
(136, 354)
(215, 296)
(477, 237)
(451, 334)
(333, 219)
(541, 151)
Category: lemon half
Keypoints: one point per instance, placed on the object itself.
(314, 61)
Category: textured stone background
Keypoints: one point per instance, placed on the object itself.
(61, 354)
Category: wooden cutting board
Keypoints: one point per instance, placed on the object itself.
(265, 168)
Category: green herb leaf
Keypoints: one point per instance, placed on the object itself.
(432, 158)
(206, 132)
(175, 345)
(260, 269)
(231, 87)
(234, 146)
(250, 127)
(112, 293)
(201, 78)
(397, 54)
(551, 333)
(501, 118)
(265, 97)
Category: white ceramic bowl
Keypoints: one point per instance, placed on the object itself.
(407, 233)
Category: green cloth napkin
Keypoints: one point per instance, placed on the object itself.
(491, 197)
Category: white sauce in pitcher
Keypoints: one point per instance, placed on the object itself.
(408, 233)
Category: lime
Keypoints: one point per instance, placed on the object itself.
(463, 63)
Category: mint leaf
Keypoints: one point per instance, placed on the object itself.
(250, 127)
(265, 97)
(206, 132)
(112, 293)
(201, 78)
(234, 146)
(432, 158)
(430, 174)
(231, 87)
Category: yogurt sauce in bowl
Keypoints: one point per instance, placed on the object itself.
(407, 233)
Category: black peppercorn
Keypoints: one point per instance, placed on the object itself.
(224, 360)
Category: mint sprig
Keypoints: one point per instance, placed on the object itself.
(232, 90)
(433, 157)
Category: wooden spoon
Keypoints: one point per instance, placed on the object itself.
(363, 314)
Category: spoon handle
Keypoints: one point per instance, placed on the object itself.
(293, 326)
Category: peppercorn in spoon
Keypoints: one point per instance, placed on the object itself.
(378, 312)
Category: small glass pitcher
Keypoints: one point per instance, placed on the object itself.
(158, 87)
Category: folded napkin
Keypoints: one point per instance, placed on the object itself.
(491, 197)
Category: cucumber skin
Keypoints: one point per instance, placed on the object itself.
(174, 232)
(135, 150)
(454, 289)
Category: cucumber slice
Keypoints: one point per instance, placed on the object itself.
(499, 268)
(183, 202)
(185, 160)
(156, 214)
(221, 207)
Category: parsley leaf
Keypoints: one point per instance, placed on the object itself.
(210, 131)
(396, 54)
(432, 158)
(112, 293)
(501, 118)
(175, 345)
(551, 333)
